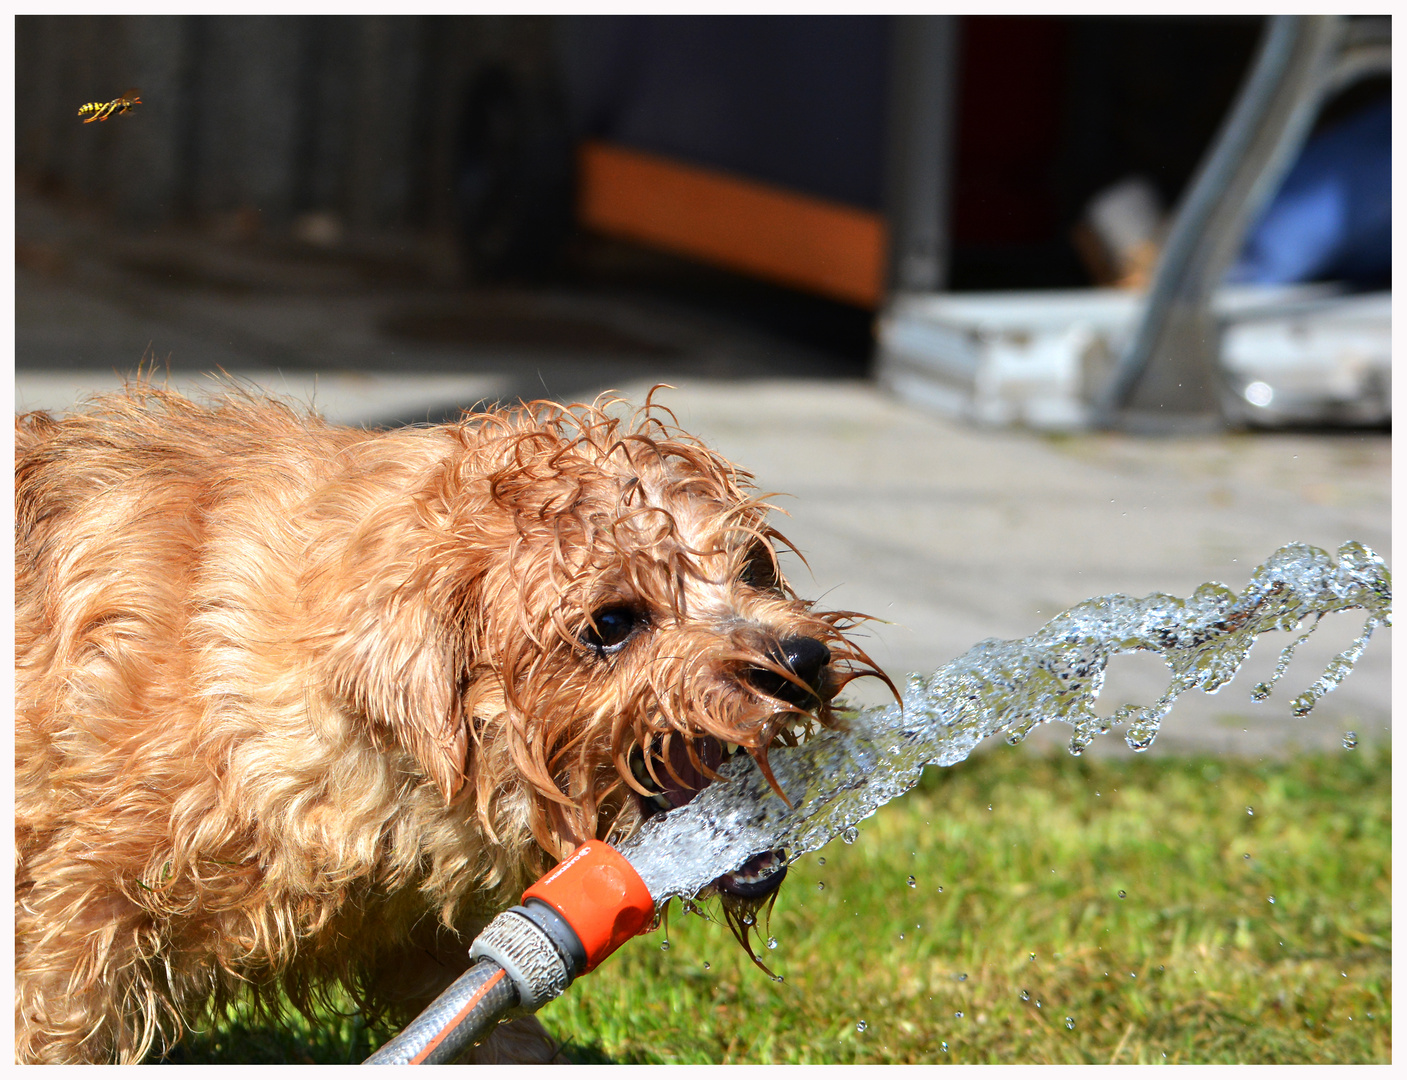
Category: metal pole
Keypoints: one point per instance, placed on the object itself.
(1169, 372)
(922, 129)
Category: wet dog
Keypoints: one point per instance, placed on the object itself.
(300, 705)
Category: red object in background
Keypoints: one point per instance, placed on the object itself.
(742, 224)
(1009, 118)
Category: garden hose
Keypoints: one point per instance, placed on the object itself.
(570, 920)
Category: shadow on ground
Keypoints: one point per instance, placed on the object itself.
(94, 301)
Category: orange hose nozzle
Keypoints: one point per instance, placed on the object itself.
(600, 895)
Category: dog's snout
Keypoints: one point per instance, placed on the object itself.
(804, 657)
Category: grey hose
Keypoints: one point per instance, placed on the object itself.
(526, 957)
(461, 1016)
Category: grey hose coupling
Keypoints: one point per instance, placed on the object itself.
(537, 949)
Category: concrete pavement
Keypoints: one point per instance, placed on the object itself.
(950, 533)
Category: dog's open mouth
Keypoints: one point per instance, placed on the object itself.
(751, 888)
(674, 783)
(682, 779)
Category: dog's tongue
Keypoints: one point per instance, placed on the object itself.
(710, 753)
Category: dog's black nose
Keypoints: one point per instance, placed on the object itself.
(806, 658)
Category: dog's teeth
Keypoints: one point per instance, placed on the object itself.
(731, 747)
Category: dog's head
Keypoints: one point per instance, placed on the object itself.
(576, 620)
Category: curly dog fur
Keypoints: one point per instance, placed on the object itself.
(300, 705)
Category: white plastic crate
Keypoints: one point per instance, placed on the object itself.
(1040, 358)
(1318, 362)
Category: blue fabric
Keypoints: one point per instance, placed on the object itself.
(1332, 217)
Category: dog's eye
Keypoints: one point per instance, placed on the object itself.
(759, 570)
(613, 625)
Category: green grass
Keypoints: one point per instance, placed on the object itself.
(332, 1038)
(1117, 894)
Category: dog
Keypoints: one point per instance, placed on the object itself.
(300, 705)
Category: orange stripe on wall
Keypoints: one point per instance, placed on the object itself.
(770, 232)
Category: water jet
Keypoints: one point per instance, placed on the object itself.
(838, 778)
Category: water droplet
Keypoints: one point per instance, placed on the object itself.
(821, 861)
(1070, 1023)
(1250, 811)
(708, 966)
(1033, 956)
(1350, 740)
(664, 946)
(945, 1047)
(820, 886)
(1122, 894)
(861, 1026)
(913, 882)
(1025, 995)
(771, 943)
(962, 977)
(850, 835)
(958, 1015)
(749, 919)
(940, 888)
(1246, 856)
(901, 937)
(779, 978)
(1038, 1004)
(1272, 899)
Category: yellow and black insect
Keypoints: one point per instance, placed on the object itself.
(101, 110)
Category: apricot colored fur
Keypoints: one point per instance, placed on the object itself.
(300, 705)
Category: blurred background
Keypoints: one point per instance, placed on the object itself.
(1016, 310)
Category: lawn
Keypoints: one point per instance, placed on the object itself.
(1014, 909)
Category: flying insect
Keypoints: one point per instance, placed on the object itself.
(101, 110)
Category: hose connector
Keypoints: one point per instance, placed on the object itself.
(601, 897)
(521, 948)
(592, 903)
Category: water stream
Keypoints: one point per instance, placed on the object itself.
(839, 778)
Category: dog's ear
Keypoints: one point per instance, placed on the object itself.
(395, 661)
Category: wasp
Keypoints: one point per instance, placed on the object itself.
(101, 110)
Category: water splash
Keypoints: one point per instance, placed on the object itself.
(839, 778)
